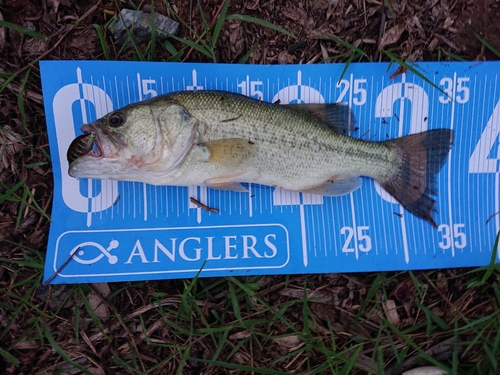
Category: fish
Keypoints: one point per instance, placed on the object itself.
(220, 139)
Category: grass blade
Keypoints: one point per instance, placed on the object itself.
(487, 45)
(219, 23)
(102, 40)
(61, 352)
(347, 45)
(193, 45)
(260, 22)
(20, 99)
(410, 66)
(23, 30)
(247, 55)
(9, 357)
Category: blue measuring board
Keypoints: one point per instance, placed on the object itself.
(121, 231)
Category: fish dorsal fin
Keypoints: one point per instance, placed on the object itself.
(230, 152)
(337, 116)
(336, 187)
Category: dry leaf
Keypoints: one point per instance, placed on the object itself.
(391, 313)
(317, 296)
(288, 341)
(240, 335)
(2, 34)
(96, 301)
(53, 5)
(252, 6)
(391, 36)
(11, 144)
(405, 291)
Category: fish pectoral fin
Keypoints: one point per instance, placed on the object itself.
(340, 185)
(337, 116)
(230, 152)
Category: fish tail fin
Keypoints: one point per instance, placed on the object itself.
(422, 155)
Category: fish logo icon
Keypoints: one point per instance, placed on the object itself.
(79, 252)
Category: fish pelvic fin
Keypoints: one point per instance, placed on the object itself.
(414, 183)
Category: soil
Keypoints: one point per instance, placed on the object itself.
(415, 30)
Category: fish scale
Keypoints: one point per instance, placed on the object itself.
(276, 130)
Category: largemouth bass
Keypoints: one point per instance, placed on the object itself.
(220, 139)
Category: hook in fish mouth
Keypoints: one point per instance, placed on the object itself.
(83, 145)
(95, 142)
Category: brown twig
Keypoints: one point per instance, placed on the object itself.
(204, 206)
(58, 271)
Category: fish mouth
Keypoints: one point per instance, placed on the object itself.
(107, 145)
(94, 143)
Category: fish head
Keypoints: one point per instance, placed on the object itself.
(150, 137)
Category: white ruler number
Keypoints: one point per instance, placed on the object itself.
(358, 91)
(485, 159)
(145, 88)
(63, 103)
(249, 88)
(453, 237)
(356, 240)
(462, 92)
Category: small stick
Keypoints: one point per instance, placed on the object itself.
(492, 216)
(204, 206)
(60, 268)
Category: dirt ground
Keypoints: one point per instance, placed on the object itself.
(415, 30)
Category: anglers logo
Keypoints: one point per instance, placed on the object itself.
(81, 251)
(172, 250)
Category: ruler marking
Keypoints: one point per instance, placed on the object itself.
(497, 174)
(450, 203)
(305, 259)
(400, 134)
(145, 201)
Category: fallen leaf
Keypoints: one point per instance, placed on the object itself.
(391, 312)
(96, 301)
(2, 34)
(288, 341)
(240, 335)
(405, 291)
(391, 36)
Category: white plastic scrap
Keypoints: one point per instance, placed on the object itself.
(426, 370)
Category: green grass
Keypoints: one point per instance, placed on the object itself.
(265, 325)
(234, 317)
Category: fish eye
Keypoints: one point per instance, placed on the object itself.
(116, 119)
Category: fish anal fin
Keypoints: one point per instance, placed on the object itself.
(230, 152)
(337, 186)
(337, 116)
(414, 183)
